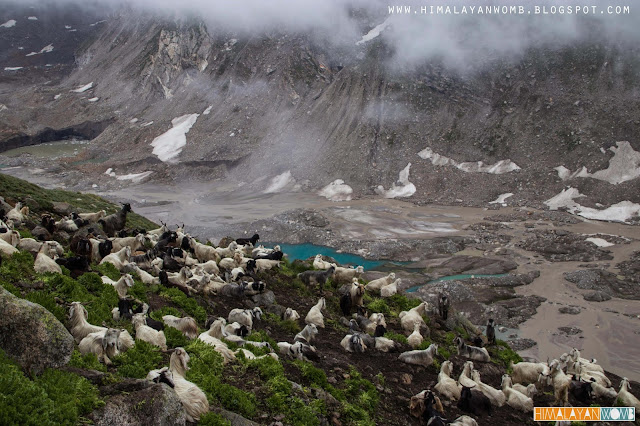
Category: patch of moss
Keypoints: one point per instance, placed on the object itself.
(503, 355)
(213, 419)
(396, 337)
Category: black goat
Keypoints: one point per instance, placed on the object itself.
(491, 332)
(580, 390)
(105, 247)
(168, 261)
(156, 325)
(115, 222)
(80, 246)
(274, 255)
(78, 265)
(473, 401)
(128, 307)
(380, 330)
(345, 304)
(164, 280)
(244, 241)
(443, 306)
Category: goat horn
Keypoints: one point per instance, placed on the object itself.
(169, 351)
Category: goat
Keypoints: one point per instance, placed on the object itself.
(376, 320)
(67, 225)
(186, 325)
(253, 240)
(599, 391)
(391, 289)
(464, 421)
(33, 246)
(386, 345)
(228, 263)
(203, 252)
(76, 264)
(44, 263)
(356, 291)
(626, 397)
(237, 329)
(376, 285)
(580, 390)
(426, 405)
(17, 214)
(443, 306)
(514, 398)
(127, 307)
(465, 375)
(308, 333)
(496, 396)
(145, 277)
(6, 248)
(528, 372)
(134, 243)
(100, 249)
(561, 383)
(266, 264)
(321, 264)
(582, 373)
(217, 329)
(473, 401)
(118, 259)
(471, 352)
(115, 222)
(193, 400)
(275, 255)
(105, 344)
(297, 350)
(121, 285)
(446, 386)
(345, 304)
(162, 375)
(290, 315)
(415, 338)
(10, 236)
(245, 316)
(423, 357)
(207, 337)
(316, 277)
(491, 332)
(314, 316)
(353, 343)
(409, 319)
(210, 267)
(148, 334)
(92, 217)
(231, 290)
(589, 365)
(529, 390)
(346, 275)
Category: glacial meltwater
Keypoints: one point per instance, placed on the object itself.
(51, 150)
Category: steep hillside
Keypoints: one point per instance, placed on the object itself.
(285, 102)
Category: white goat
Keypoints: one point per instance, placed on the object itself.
(514, 398)
(121, 286)
(590, 365)
(12, 237)
(528, 372)
(582, 373)
(308, 333)
(145, 277)
(92, 217)
(210, 267)
(376, 285)
(346, 275)
(464, 421)
(33, 246)
(561, 383)
(226, 251)
(148, 334)
(134, 243)
(118, 259)
(44, 263)
(245, 316)
(409, 319)
(423, 357)
(228, 263)
(193, 400)
(67, 225)
(599, 391)
(415, 338)
(391, 289)
(318, 263)
(227, 354)
(374, 320)
(80, 327)
(6, 248)
(266, 264)
(472, 352)
(290, 314)
(314, 316)
(496, 396)
(626, 397)
(186, 325)
(17, 214)
(465, 376)
(446, 386)
(529, 390)
(105, 344)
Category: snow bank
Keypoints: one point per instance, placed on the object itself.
(502, 166)
(336, 191)
(600, 242)
(619, 212)
(56, 97)
(375, 32)
(502, 198)
(623, 166)
(93, 99)
(10, 23)
(12, 68)
(169, 145)
(208, 110)
(32, 18)
(279, 182)
(83, 88)
(134, 177)
(403, 188)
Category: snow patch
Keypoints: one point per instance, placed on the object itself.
(110, 172)
(135, 177)
(375, 32)
(600, 242)
(502, 166)
(133, 121)
(279, 182)
(208, 110)
(48, 48)
(83, 88)
(619, 212)
(402, 188)
(12, 68)
(32, 18)
(56, 97)
(169, 145)
(502, 198)
(337, 191)
(623, 166)
(147, 124)
(68, 27)
(10, 23)
(96, 99)
(96, 23)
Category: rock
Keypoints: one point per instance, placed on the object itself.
(264, 299)
(31, 335)
(225, 241)
(236, 419)
(596, 296)
(605, 282)
(571, 310)
(521, 344)
(571, 331)
(146, 403)
(62, 208)
(406, 379)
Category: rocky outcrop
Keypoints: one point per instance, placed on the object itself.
(139, 402)
(31, 335)
(564, 246)
(604, 282)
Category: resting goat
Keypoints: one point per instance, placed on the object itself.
(316, 277)
(447, 387)
(409, 319)
(496, 396)
(80, 327)
(44, 262)
(118, 259)
(193, 400)
(346, 275)
(186, 325)
(473, 401)
(105, 344)
(253, 240)
(391, 289)
(376, 285)
(245, 316)
(514, 398)
(148, 334)
(121, 286)
(423, 357)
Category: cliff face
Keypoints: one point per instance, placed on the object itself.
(283, 102)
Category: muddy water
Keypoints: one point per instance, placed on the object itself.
(51, 150)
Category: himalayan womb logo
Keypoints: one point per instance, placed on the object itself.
(585, 414)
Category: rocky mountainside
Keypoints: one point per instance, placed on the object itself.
(256, 107)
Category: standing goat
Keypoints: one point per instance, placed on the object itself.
(471, 352)
(314, 316)
(115, 222)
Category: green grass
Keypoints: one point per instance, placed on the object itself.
(396, 337)
(86, 362)
(503, 355)
(213, 419)
(188, 304)
(288, 326)
(139, 360)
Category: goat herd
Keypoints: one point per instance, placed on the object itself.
(175, 259)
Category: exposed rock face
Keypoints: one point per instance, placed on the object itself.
(596, 296)
(31, 335)
(141, 403)
(604, 282)
(563, 246)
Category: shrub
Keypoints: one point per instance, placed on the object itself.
(86, 361)
(47, 301)
(109, 270)
(175, 338)
(379, 305)
(397, 337)
(213, 419)
(139, 360)
(189, 305)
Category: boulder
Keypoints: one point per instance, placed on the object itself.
(62, 208)
(140, 402)
(225, 241)
(236, 419)
(264, 299)
(31, 335)
(596, 296)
